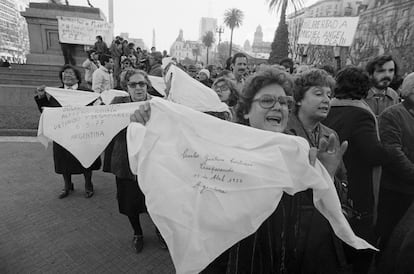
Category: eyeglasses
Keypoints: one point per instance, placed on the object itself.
(221, 88)
(141, 84)
(268, 101)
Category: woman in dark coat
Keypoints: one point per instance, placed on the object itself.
(131, 200)
(354, 121)
(65, 163)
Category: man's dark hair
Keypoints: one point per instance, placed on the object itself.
(104, 58)
(351, 83)
(287, 63)
(238, 55)
(75, 70)
(379, 61)
(99, 37)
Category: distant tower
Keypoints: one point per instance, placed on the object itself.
(180, 37)
(153, 38)
(111, 10)
(258, 35)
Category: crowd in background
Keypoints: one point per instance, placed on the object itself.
(371, 108)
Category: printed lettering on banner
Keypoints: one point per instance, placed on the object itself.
(328, 31)
(82, 31)
(84, 131)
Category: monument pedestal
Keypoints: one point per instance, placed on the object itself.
(44, 35)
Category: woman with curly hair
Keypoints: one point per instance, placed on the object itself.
(353, 120)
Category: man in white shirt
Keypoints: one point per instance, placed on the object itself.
(102, 78)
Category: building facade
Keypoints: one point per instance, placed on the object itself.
(207, 24)
(14, 37)
(260, 46)
(185, 49)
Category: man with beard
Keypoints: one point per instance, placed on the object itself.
(381, 70)
(239, 66)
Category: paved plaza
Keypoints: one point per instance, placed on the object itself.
(41, 234)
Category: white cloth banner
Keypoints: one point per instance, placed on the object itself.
(158, 84)
(84, 131)
(77, 98)
(72, 97)
(108, 95)
(82, 31)
(187, 91)
(209, 183)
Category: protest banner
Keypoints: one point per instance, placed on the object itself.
(209, 183)
(81, 31)
(328, 31)
(84, 131)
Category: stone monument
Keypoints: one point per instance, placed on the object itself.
(43, 31)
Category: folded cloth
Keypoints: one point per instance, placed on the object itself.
(209, 183)
(72, 97)
(187, 91)
(84, 131)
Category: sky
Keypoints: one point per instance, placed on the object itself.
(167, 17)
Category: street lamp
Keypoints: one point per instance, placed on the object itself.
(219, 30)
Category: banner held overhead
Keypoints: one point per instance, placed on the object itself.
(81, 31)
(328, 31)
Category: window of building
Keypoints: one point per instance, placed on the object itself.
(405, 12)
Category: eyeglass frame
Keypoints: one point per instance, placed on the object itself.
(283, 101)
(141, 84)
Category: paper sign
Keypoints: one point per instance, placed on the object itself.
(81, 31)
(84, 131)
(328, 31)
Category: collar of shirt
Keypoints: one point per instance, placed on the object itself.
(378, 93)
(75, 86)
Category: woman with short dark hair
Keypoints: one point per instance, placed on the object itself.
(65, 163)
(353, 120)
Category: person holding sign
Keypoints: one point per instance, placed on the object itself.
(65, 163)
(131, 200)
(265, 105)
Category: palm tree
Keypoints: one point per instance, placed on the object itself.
(233, 18)
(208, 40)
(280, 44)
(196, 52)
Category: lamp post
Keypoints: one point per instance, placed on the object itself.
(219, 30)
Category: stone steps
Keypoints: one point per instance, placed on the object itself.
(32, 75)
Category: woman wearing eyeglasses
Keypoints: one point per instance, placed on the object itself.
(264, 104)
(131, 200)
(227, 92)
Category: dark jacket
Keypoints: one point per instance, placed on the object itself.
(116, 154)
(296, 238)
(155, 70)
(357, 126)
(65, 162)
(399, 254)
(396, 126)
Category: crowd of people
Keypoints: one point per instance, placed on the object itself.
(361, 129)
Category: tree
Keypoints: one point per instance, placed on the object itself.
(222, 51)
(196, 52)
(280, 44)
(233, 18)
(208, 40)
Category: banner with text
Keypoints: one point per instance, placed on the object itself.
(81, 31)
(328, 31)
